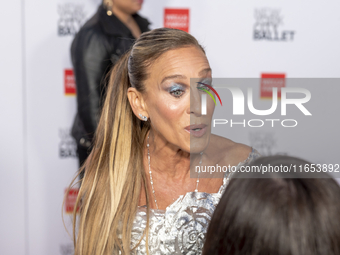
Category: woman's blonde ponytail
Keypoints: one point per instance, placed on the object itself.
(114, 173)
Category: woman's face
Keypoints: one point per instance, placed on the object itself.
(128, 6)
(173, 103)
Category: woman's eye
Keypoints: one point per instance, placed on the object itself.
(200, 87)
(176, 93)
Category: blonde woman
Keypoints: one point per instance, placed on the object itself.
(137, 196)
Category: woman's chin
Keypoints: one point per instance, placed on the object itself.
(198, 145)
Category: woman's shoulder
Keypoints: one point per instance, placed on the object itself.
(228, 152)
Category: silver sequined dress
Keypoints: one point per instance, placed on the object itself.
(181, 227)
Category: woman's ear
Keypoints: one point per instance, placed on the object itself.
(137, 103)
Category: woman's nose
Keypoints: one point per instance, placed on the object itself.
(194, 106)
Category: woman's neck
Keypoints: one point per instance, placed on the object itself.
(124, 17)
(128, 21)
(167, 159)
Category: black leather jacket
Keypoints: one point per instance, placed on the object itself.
(95, 48)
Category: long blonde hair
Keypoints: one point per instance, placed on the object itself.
(114, 173)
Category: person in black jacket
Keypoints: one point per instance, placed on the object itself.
(95, 49)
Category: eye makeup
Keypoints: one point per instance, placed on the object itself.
(176, 89)
(207, 81)
(175, 86)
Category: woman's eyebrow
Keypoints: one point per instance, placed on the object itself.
(205, 71)
(180, 76)
(175, 76)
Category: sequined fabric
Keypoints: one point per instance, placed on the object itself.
(181, 228)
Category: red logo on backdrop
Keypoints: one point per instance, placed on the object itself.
(69, 83)
(269, 81)
(70, 200)
(177, 18)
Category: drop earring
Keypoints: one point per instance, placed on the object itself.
(144, 118)
(108, 4)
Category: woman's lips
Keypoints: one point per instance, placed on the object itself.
(196, 130)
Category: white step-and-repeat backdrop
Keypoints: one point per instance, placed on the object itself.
(247, 38)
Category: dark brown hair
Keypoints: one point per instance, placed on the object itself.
(277, 215)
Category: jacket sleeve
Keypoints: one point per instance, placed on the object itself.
(90, 60)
